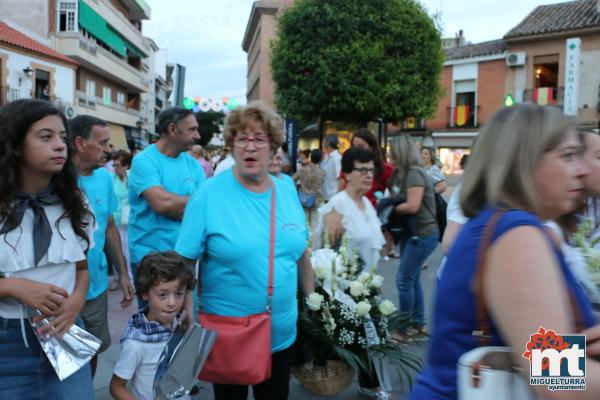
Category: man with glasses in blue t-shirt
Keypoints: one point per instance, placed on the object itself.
(161, 179)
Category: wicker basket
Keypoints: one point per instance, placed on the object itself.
(334, 378)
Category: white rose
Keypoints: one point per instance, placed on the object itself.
(320, 272)
(363, 277)
(323, 257)
(313, 301)
(363, 308)
(356, 288)
(377, 281)
(386, 308)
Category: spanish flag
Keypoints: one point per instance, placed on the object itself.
(543, 95)
(461, 115)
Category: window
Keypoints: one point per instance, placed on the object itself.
(464, 110)
(545, 78)
(121, 98)
(67, 16)
(90, 91)
(106, 96)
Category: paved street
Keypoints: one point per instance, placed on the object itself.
(118, 319)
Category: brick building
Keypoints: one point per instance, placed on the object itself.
(473, 82)
(260, 30)
(554, 58)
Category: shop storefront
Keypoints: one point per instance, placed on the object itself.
(451, 147)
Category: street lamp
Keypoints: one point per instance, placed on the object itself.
(27, 72)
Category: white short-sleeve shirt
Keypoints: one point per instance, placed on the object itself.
(56, 267)
(138, 363)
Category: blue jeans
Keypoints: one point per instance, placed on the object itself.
(408, 280)
(26, 373)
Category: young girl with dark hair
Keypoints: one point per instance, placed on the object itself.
(45, 229)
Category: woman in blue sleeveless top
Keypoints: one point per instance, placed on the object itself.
(527, 159)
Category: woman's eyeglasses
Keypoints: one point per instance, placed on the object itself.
(260, 142)
(364, 171)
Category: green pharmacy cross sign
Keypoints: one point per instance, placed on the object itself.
(509, 100)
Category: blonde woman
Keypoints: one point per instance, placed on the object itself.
(527, 160)
(416, 188)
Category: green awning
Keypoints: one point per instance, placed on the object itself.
(134, 50)
(92, 22)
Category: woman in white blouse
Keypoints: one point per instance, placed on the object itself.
(350, 211)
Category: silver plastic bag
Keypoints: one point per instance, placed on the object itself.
(69, 353)
(181, 362)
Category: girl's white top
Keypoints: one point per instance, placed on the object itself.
(362, 227)
(576, 262)
(56, 267)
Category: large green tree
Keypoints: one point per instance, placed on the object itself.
(357, 60)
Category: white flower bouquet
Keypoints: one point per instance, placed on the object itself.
(347, 319)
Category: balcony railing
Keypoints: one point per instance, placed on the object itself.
(545, 95)
(463, 117)
(8, 94)
(84, 100)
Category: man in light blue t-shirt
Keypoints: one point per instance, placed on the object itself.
(89, 136)
(161, 179)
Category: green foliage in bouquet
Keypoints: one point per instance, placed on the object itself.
(347, 318)
(584, 242)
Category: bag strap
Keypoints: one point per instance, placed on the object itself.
(271, 248)
(483, 332)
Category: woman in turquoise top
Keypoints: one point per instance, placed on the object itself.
(527, 159)
(226, 226)
(121, 163)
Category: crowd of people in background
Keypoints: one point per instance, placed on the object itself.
(170, 215)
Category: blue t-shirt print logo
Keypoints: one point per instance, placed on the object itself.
(190, 183)
(291, 227)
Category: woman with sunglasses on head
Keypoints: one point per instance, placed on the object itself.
(350, 213)
(45, 231)
(229, 225)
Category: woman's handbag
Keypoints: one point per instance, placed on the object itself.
(241, 354)
(489, 372)
(307, 200)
